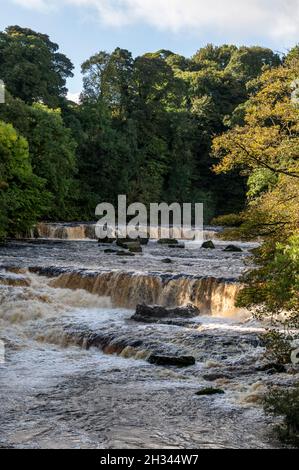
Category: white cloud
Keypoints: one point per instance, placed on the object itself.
(74, 97)
(275, 19)
(41, 5)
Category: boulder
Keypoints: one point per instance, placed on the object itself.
(152, 314)
(134, 247)
(123, 242)
(143, 241)
(110, 251)
(167, 261)
(178, 361)
(128, 244)
(233, 249)
(209, 245)
(179, 245)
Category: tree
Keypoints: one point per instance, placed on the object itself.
(247, 63)
(52, 150)
(265, 149)
(31, 66)
(219, 57)
(22, 196)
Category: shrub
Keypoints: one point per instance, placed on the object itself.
(285, 403)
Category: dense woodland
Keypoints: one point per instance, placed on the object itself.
(221, 127)
(144, 128)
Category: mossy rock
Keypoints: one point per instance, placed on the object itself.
(134, 247)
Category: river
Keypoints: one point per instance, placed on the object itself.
(76, 371)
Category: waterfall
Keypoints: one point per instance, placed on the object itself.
(87, 231)
(212, 296)
(65, 231)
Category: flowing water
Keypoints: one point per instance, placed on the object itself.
(76, 371)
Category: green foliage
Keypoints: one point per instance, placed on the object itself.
(247, 63)
(285, 403)
(260, 181)
(144, 126)
(278, 346)
(274, 285)
(52, 150)
(31, 66)
(229, 220)
(22, 195)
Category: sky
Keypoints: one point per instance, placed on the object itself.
(84, 27)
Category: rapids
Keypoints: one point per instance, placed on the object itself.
(76, 371)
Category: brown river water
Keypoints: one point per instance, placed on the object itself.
(76, 371)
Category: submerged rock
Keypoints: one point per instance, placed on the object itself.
(213, 377)
(272, 368)
(179, 245)
(124, 253)
(106, 241)
(152, 314)
(167, 261)
(178, 361)
(233, 249)
(12, 280)
(168, 241)
(210, 391)
(209, 245)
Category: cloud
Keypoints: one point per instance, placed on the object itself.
(40, 5)
(74, 97)
(275, 19)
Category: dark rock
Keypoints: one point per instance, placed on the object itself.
(134, 246)
(233, 249)
(209, 245)
(152, 314)
(167, 261)
(213, 377)
(110, 251)
(178, 361)
(168, 241)
(123, 242)
(209, 392)
(143, 241)
(272, 368)
(181, 246)
(106, 241)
